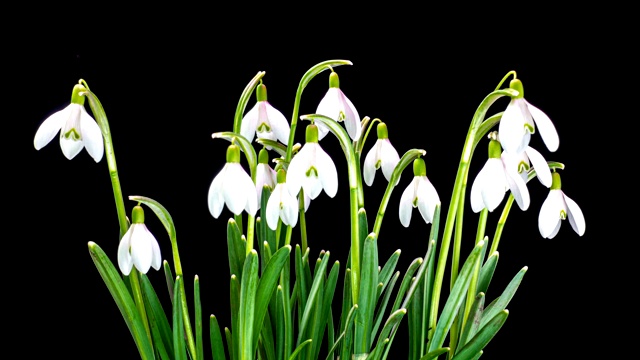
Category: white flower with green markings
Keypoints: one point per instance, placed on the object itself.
(264, 120)
(281, 204)
(138, 246)
(557, 207)
(233, 187)
(338, 107)
(381, 156)
(419, 194)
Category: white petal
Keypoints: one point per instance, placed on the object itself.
(518, 188)
(329, 106)
(549, 217)
(545, 127)
(70, 148)
(91, 135)
(125, 263)
(141, 248)
(352, 118)
(327, 172)
(511, 129)
(389, 157)
(50, 127)
(290, 209)
(312, 186)
(427, 199)
(369, 166)
(576, 218)
(215, 198)
(475, 198)
(249, 123)
(273, 207)
(297, 169)
(493, 183)
(540, 165)
(234, 189)
(406, 203)
(279, 124)
(251, 206)
(156, 260)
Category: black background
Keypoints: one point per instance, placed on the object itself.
(167, 87)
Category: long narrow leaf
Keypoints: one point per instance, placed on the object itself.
(179, 346)
(217, 347)
(248, 287)
(504, 298)
(311, 301)
(157, 317)
(483, 337)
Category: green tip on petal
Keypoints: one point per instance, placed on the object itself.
(419, 167)
(281, 176)
(556, 184)
(334, 81)
(76, 98)
(233, 154)
(383, 133)
(311, 135)
(137, 215)
(516, 84)
(495, 150)
(263, 156)
(261, 92)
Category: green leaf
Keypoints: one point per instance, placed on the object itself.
(198, 318)
(179, 345)
(367, 298)
(504, 298)
(160, 327)
(483, 337)
(473, 320)
(267, 287)
(168, 275)
(234, 295)
(456, 297)
(235, 249)
(348, 321)
(392, 322)
(383, 305)
(217, 347)
(299, 348)
(387, 270)
(435, 353)
(248, 288)
(122, 297)
(313, 295)
(486, 273)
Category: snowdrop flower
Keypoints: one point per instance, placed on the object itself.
(382, 154)
(138, 246)
(522, 163)
(519, 122)
(77, 129)
(282, 204)
(312, 169)
(265, 175)
(420, 193)
(494, 179)
(337, 106)
(233, 186)
(558, 207)
(264, 120)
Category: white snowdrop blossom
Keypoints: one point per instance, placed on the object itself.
(557, 207)
(281, 204)
(338, 107)
(77, 129)
(233, 187)
(519, 121)
(138, 246)
(265, 175)
(493, 181)
(382, 155)
(264, 120)
(421, 194)
(312, 169)
(523, 161)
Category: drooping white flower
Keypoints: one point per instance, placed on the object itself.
(264, 120)
(382, 155)
(138, 246)
(281, 204)
(77, 129)
(557, 207)
(493, 181)
(420, 193)
(232, 186)
(265, 175)
(337, 106)
(312, 169)
(519, 121)
(522, 163)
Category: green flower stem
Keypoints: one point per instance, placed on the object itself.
(460, 182)
(303, 222)
(139, 300)
(505, 78)
(251, 224)
(500, 226)
(457, 239)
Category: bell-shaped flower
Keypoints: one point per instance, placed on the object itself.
(382, 155)
(281, 204)
(523, 161)
(312, 169)
(138, 246)
(493, 181)
(265, 175)
(557, 207)
(420, 193)
(232, 186)
(519, 121)
(264, 120)
(77, 129)
(338, 107)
